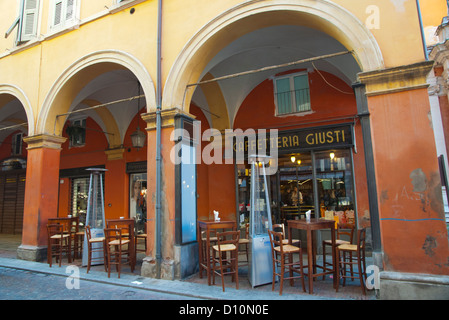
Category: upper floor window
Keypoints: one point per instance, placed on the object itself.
(292, 93)
(26, 22)
(63, 13)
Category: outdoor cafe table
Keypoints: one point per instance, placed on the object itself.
(208, 225)
(310, 226)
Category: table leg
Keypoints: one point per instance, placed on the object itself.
(310, 260)
(334, 257)
(208, 256)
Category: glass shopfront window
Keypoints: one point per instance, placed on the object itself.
(79, 196)
(315, 173)
(137, 200)
(335, 183)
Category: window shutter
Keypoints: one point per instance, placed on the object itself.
(30, 19)
(57, 17)
(70, 10)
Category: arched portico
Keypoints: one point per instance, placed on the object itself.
(322, 15)
(78, 75)
(8, 92)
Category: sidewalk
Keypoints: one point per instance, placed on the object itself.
(193, 286)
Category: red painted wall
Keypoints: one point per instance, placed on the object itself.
(329, 106)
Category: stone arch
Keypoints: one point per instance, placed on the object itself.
(16, 92)
(323, 15)
(74, 78)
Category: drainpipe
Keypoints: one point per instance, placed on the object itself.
(158, 146)
(423, 36)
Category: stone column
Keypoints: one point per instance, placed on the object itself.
(41, 194)
(412, 221)
(169, 263)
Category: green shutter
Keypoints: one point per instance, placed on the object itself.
(302, 95)
(30, 19)
(283, 96)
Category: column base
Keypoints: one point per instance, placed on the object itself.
(150, 268)
(32, 253)
(413, 286)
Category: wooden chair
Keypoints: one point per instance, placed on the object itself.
(66, 224)
(127, 226)
(227, 243)
(93, 247)
(359, 260)
(343, 229)
(245, 242)
(281, 228)
(58, 242)
(118, 250)
(141, 236)
(280, 252)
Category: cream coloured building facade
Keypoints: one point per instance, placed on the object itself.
(59, 57)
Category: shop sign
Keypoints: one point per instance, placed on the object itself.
(328, 137)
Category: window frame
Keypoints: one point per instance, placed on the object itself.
(16, 144)
(64, 23)
(293, 104)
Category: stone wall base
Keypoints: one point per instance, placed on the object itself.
(32, 253)
(410, 286)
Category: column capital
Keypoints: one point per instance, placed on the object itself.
(397, 79)
(167, 115)
(115, 154)
(44, 141)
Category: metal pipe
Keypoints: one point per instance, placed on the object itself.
(158, 145)
(423, 36)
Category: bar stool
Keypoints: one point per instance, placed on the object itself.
(341, 231)
(359, 260)
(280, 252)
(118, 250)
(93, 248)
(227, 243)
(58, 242)
(280, 227)
(245, 242)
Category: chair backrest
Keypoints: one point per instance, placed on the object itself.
(65, 222)
(112, 234)
(247, 231)
(279, 228)
(361, 238)
(126, 225)
(228, 237)
(88, 233)
(346, 229)
(276, 241)
(54, 229)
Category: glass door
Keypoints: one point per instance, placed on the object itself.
(295, 185)
(137, 200)
(335, 183)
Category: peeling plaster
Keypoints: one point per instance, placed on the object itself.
(429, 244)
(419, 180)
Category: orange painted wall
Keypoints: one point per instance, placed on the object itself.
(41, 194)
(93, 154)
(216, 182)
(413, 230)
(328, 105)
